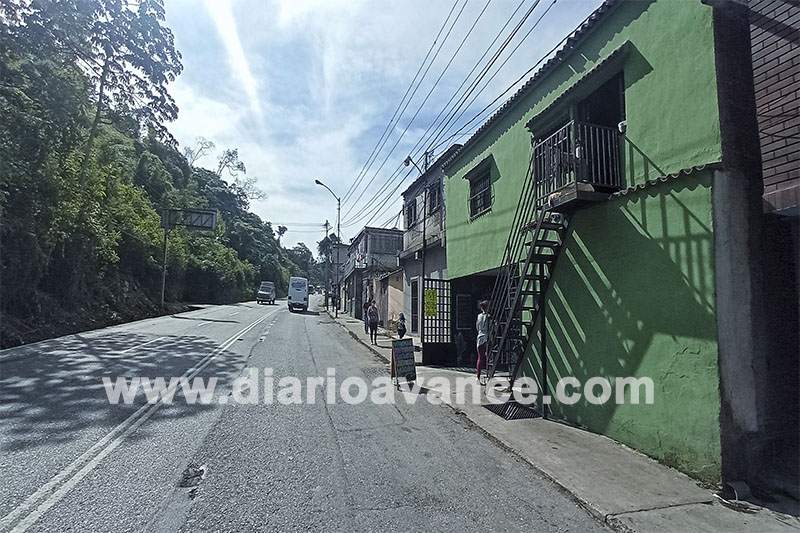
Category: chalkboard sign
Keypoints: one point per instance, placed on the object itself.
(403, 365)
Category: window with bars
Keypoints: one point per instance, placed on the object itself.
(386, 243)
(434, 198)
(411, 213)
(480, 194)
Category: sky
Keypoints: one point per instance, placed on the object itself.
(305, 90)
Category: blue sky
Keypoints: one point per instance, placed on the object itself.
(305, 88)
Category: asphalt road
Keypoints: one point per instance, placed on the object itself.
(72, 461)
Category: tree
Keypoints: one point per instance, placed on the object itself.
(202, 147)
(124, 48)
(281, 231)
(229, 160)
(324, 247)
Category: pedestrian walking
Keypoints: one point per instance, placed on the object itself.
(482, 325)
(401, 326)
(372, 315)
(366, 307)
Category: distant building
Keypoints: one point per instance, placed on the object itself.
(372, 253)
(388, 290)
(423, 214)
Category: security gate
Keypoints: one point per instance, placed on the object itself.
(436, 312)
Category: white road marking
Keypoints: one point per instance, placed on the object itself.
(142, 345)
(234, 314)
(99, 451)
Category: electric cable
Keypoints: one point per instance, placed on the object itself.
(376, 149)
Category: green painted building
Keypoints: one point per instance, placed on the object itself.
(616, 144)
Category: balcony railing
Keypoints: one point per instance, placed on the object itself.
(577, 153)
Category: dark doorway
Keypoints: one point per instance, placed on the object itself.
(606, 105)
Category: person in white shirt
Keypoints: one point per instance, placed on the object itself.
(482, 325)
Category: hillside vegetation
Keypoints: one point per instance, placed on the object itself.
(87, 164)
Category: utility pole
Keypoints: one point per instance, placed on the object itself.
(338, 247)
(327, 266)
(409, 161)
(338, 236)
(164, 266)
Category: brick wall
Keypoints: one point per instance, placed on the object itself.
(775, 38)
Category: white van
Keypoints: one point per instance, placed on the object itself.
(298, 294)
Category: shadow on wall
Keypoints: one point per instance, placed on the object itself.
(633, 296)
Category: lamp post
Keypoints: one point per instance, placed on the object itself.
(338, 238)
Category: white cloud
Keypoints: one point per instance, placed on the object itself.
(304, 88)
(220, 11)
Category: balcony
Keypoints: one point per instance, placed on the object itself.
(577, 165)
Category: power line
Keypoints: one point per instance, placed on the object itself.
(385, 198)
(378, 145)
(396, 172)
(402, 134)
(453, 114)
(463, 98)
(462, 101)
(498, 71)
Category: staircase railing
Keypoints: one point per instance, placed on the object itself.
(576, 152)
(504, 294)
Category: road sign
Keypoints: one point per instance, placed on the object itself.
(202, 219)
(403, 364)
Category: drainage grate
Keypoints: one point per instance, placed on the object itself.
(512, 410)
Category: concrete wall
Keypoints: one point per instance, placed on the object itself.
(671, 108)
(640, 303)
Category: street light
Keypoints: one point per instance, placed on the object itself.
(338, 238)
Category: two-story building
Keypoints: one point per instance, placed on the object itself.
(371, 253)
(423, 254)
(608, 211)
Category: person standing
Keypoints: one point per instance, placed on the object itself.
(401, 326)
(482, 325)
(365, 308)
(372, 315)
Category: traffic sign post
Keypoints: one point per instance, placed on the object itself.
(198, 219)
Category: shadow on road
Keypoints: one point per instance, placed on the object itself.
(51, 396)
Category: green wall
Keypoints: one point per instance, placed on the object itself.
(671, 109)
(638, 301)
(633, 292)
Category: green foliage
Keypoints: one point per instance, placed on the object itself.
(83, 176)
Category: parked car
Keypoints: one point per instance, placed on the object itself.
(298, 294)
(266, 293)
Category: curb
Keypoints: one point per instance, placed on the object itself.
(354, 336)
(595, 513)
(583, 504)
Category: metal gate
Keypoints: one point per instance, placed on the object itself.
(436, 312)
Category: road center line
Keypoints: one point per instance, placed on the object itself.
(142, 345)
(101, 449)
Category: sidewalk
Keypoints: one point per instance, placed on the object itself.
(621, 487)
